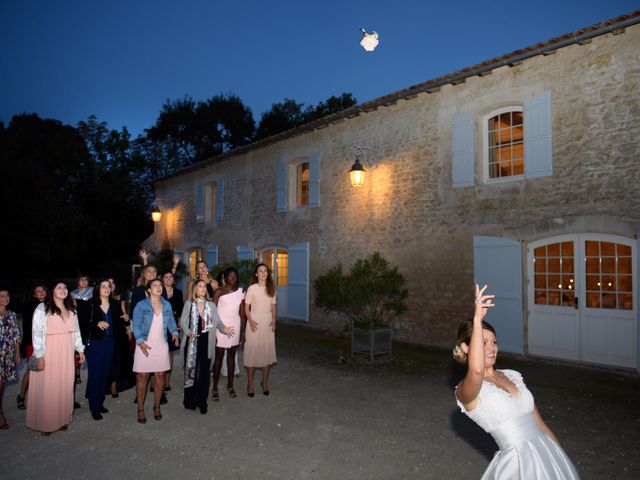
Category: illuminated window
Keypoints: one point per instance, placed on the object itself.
(196, 255)
(302, 184)
(278, 261)
(505, 143)
(210, 201)
(554, 275)
(609, 274)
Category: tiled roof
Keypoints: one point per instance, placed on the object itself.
(582, 36)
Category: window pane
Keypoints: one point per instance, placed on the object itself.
(283, 268)
(567, 264)
(553, 250)
(593, 265)
(493, 123)
(592, 248)
(518, 167)
(624, 250)
(625, 301)
(541, 265)
(517, 134)
(593, 300)
(553, 265)
(494, 170)
(540, 251)
(553, 282)
(608, 265)
(302, 180)
(609, 300)
(608, 249)
(505, 169)
(567, 249)
(569, 299)
(593, 282)
(609, 282)
(567, 282)
(554, 297)
(540, 281)
(625, 283)
(541, 297)
(624, 265)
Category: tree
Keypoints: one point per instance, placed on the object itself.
(289, 114)
(187, 132)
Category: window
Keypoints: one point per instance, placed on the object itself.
(554, 275)
(505, 143)
(210, 201)
(302, 184)
(278, 261)
(196, 255)
(609, 275)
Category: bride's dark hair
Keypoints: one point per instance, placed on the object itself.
(464, 336)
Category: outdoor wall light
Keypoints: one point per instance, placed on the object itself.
(369, 40)
(357, 172)
(156, 214)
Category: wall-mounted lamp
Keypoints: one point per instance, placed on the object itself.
(156, 214)
(357, 172)
(369, 40)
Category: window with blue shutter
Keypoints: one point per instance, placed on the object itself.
(538, 153)
(244, 252)
(200, 203)
(463, 168)
(314, 180)
(281, 188)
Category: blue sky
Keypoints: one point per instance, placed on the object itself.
(120, 60)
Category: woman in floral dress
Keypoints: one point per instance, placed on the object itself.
(9, 349)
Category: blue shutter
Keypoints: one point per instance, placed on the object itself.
(244, 253)
(219, 199)
(200, 204)
(314, 180)
(463, 167)
(211, 256)
(298, 284)
(497, 262)
(281, 188)
(538, 154)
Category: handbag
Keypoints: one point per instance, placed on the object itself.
(32, 364)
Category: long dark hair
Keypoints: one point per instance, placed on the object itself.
(271, 287)
(51, 307)
(96, 290)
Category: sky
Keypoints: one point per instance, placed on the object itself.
(121, 60)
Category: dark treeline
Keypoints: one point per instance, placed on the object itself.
(77, 199)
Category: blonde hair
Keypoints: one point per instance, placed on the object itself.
(194, 296)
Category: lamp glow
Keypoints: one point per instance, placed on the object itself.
(156, 214)
(357, 173)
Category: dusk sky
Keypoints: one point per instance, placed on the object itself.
(120, 60)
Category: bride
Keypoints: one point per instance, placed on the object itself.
(500, 403)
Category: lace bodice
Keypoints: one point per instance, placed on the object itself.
(496, 406)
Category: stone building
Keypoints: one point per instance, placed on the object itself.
(522, 172)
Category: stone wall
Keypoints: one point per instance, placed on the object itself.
(407, 208)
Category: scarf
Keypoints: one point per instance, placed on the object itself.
(192, 349)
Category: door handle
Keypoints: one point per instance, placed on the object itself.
(576, 305)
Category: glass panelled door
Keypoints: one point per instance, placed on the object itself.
(581, 299)
(278, 261)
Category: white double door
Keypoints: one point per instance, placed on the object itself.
(582, 300)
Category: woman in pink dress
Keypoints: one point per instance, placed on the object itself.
(55, 338)
(228, 300)
(152, 321)
(260, 309)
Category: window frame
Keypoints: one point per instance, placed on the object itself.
(485, 145)
(210, 205)
(293, 182)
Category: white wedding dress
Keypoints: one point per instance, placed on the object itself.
(525, 451)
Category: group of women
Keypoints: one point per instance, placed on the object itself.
(212, 320)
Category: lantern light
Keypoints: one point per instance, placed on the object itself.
(156, 214)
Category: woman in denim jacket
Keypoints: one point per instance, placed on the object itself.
(152, 322)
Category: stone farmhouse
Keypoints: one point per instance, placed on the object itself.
(522, 172)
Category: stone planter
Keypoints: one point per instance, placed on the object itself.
(371, 341)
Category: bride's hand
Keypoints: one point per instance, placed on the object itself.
(483, 302)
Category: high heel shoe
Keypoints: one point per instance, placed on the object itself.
(215, 396)
(250, 394)
(156, 413)
(232, 392)
(264, 392)
(141, 417)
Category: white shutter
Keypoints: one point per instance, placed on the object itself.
(497, 262)
(538, 154)
(314, 180)
(281, 188)
(244, 252)
(219, 199)
(200, 203)
(211, 256)
(463, 163)
(298, 282)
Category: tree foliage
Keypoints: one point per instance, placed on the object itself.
(369, 295)
(290, 114)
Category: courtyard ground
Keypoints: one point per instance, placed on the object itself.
(331, 417)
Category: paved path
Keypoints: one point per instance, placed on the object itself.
(327, 419)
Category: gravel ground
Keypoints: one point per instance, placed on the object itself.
(333, 417)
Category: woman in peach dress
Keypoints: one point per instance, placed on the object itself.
(260, 309)
(55, 338)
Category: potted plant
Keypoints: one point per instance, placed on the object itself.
(368, 296)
